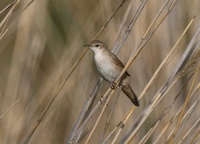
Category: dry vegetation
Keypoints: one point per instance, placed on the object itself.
(47, 77)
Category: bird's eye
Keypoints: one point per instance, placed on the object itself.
(97, 45)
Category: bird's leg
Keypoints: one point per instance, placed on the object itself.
(113, 85)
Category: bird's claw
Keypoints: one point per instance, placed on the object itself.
(113, 85)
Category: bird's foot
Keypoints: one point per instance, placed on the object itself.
(113, 85)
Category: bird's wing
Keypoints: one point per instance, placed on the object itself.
(116, 61)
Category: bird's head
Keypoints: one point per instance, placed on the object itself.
(96, 46)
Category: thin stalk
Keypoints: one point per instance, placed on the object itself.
(9, 108)
(99, 117)
(184, 107)
(110, 115)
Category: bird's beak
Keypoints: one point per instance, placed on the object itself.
(87, 45)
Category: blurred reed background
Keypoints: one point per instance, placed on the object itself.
(46, 39)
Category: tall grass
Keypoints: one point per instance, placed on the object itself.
(51, 92)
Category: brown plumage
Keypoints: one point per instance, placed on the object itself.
(110, 67)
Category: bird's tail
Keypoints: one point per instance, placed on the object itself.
(126, 88)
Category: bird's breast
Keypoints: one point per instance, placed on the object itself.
(105, 66)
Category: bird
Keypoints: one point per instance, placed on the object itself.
(109, 67)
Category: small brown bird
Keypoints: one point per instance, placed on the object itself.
(110, 67)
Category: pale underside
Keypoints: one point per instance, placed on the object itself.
(109, 66)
